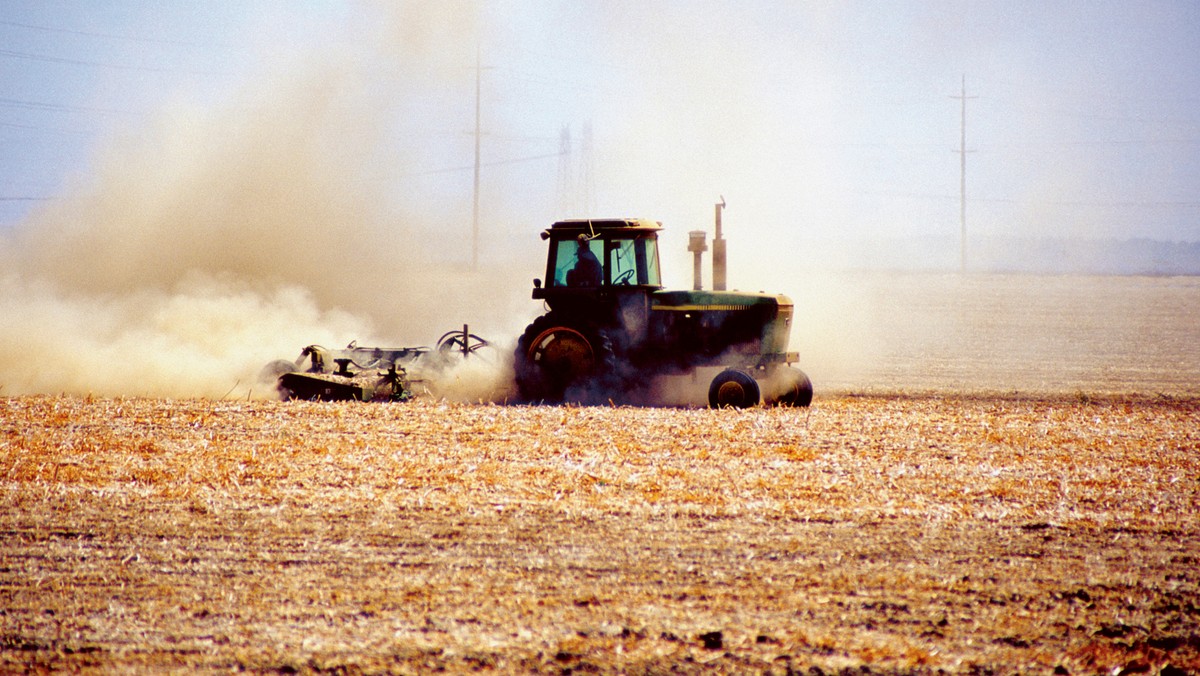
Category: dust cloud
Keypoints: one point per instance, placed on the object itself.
(906, 331)
(216, 239)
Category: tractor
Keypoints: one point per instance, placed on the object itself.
(611, 327)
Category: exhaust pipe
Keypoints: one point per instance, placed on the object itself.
(718, 252)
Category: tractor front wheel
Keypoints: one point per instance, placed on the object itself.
(792, 387)
(733, 389)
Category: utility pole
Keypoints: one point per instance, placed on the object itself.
(475, 207)
(962, 177)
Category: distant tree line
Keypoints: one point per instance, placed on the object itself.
(1036, 255)
(1087, 256)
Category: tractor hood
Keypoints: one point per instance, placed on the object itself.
(715, 300)
(760, 321)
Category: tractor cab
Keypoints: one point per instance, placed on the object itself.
(597, 260)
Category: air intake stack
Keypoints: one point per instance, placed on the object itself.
(697, 246)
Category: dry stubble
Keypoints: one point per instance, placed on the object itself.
(902, 534)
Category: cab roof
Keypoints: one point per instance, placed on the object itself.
(597, 226)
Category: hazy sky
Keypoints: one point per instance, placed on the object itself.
(191, 189)
(814, 120)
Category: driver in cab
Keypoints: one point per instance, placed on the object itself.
(587, 270)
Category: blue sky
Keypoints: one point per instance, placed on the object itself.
(190, 189)
(815, 120)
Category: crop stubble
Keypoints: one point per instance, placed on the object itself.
(905, 534)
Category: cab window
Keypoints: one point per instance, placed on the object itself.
(633, 262)
(622, 264)
(647, 252)
(572, 269)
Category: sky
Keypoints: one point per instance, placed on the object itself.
(314, 160)
(811, 118)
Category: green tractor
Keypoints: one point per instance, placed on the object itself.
(611, 327)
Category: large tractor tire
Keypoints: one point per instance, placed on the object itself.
(561, 360)
(733, 388)
(792, 388)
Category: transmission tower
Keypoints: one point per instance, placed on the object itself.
(566, 202)
(587, 171)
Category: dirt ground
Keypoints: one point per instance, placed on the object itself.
(869, 534)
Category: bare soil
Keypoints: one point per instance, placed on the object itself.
(889, 534)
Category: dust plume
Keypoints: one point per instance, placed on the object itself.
(219, 238)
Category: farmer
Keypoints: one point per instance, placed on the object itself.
(587, 270)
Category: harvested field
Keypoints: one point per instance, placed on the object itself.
(894, 534)
(1001, 333)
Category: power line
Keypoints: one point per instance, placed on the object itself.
(1117, 205)
(13, 125)
(90, 34)
(59, 107)
(494, 163)
(1091, 96)
(97, 64)
(1135, 204)
(447, 170)
(1071, 144)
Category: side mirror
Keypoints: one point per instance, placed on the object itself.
(537, 283)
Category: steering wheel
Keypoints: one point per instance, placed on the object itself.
(624, 277)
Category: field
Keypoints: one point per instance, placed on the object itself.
(899, 534)
(1000, 333)
(924, 524)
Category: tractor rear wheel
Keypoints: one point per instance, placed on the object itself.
(733, 388)
(558, 359)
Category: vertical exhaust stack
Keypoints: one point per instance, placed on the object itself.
(719, 251)
(697, 246)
